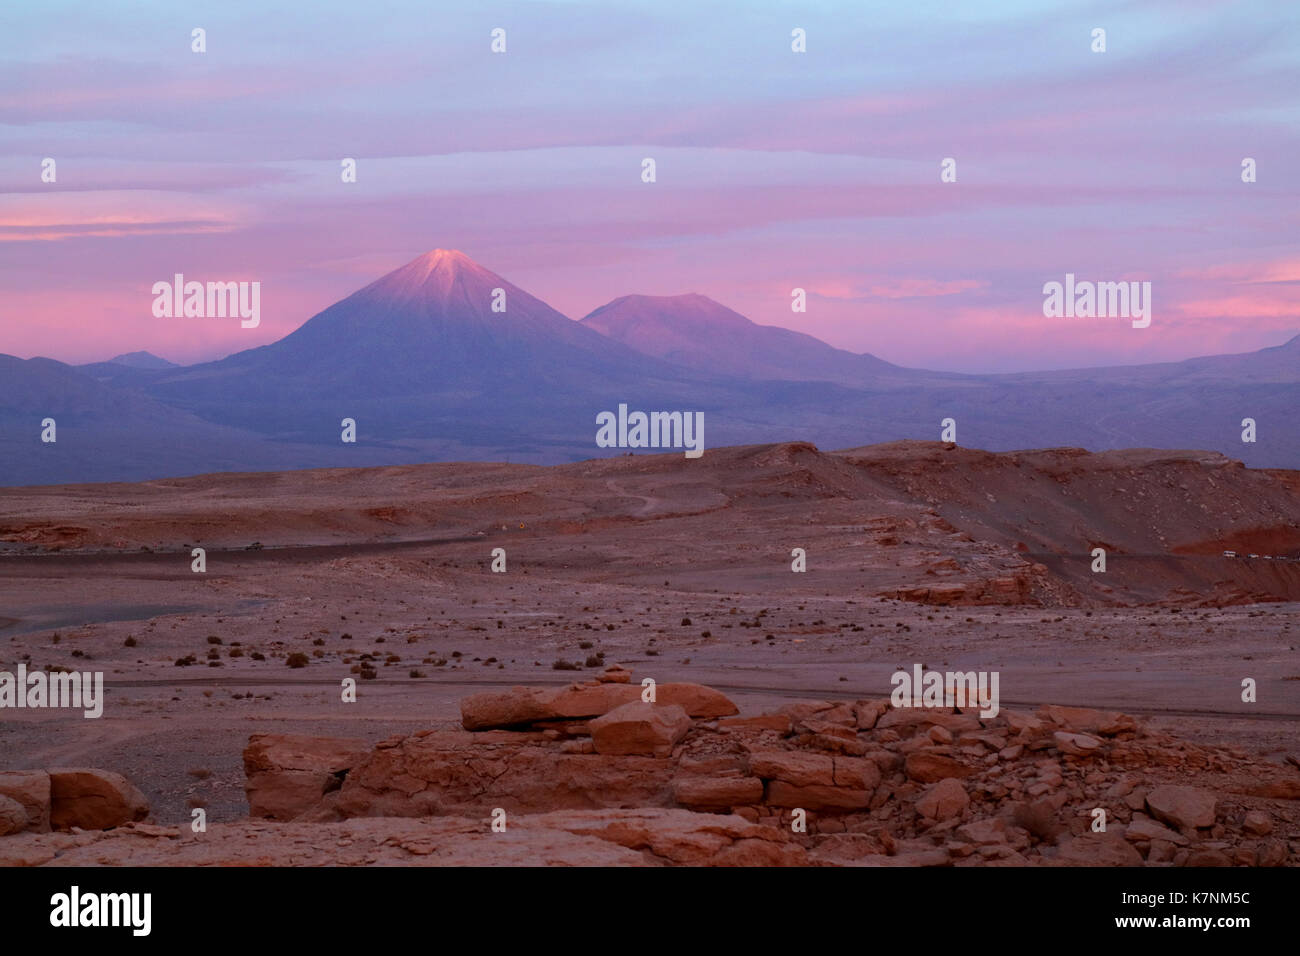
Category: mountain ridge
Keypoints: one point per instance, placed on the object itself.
(697, 332)
(443, 359)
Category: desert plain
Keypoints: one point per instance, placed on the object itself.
(1120, 689)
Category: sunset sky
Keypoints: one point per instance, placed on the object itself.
(775, 169)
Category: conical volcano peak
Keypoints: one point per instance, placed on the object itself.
(446, 262)
(447, 258)
(436, 275)
(444, 307)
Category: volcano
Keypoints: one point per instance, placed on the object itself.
(440, 349)
(438, 321)
(696, 332)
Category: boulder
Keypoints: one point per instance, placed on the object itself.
(93, 799)
(870, 711)
(1104, 722)
(717, 793)
(943, 801)
(1077, 745)
(1258, 823)
(31, 788)
(1144, 828)
(1097, 849)
(858, 773)
(520, 706)
(1161, 851)
(288, 774)
(1179, 806)
(13, 816)
(508, 708)
(590, 699)
(1019, 722)
(1039, 817)
(794, 767)
(987, 832)
(1272, 853)
(700, 702)
(640, 728)
(799, 709)
(809, 771)
(926, 767)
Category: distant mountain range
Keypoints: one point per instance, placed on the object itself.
(695, 332)
(142, 360)
(434, 364)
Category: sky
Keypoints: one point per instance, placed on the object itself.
(775, 170)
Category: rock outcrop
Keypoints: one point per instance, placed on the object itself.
(638, 837)
(841, 783)
(640, 728)
(854, 782)
(30, 789)
(289, 773)
(13, 816)
(66, 797)
(93, 799)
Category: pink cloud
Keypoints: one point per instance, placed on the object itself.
(63, 215)
(925, 288)
(1252, 273)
